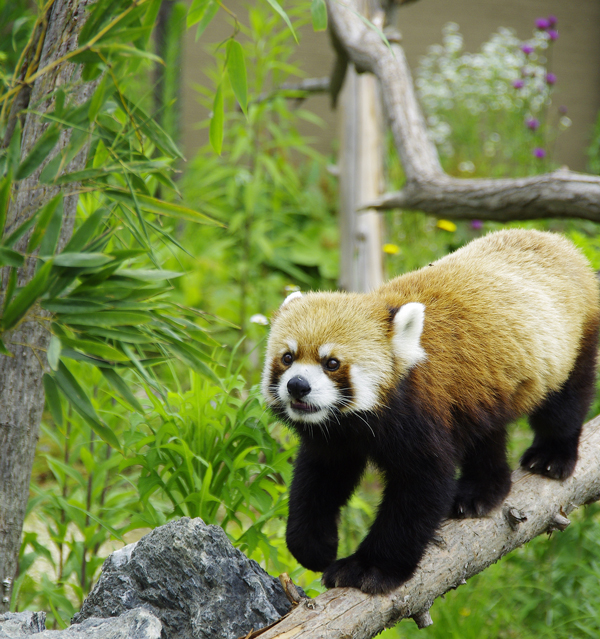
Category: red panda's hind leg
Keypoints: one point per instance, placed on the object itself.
(485, 477)
(558, 421)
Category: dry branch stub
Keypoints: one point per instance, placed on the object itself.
(537, 505)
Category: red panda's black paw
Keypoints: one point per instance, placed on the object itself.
(313, 553)
(351, 572)
(477, 499)
(549, 462)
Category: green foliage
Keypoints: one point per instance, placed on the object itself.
(278, 208)
(207, 452)
(128, 440)
(120, 452)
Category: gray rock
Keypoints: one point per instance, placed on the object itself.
(134, 624)
(190, 576)
(25, 623)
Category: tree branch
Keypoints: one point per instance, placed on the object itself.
(463, 548)
(558, 194)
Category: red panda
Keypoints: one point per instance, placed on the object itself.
(421, 377)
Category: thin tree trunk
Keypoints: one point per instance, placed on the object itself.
(361, 180)
(21, 390)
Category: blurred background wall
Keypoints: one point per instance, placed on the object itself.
(576, 60)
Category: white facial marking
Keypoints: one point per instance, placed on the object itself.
(408, 326)
(326, 350)
(290, 297)
(323, 393)
(364, 385)
(292, 346)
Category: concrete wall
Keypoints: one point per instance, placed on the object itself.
(576, 59)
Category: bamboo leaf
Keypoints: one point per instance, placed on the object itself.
(108, 318)
(159, 207)
(98, 98)
(53, 399)
(50, 238)
(4, 350)
(318, 12)
(148, 275)
(10, 288)
(8, 257)
(82, 404)
(82, 260)
(196, 11)
(216, 122)
(153, 130)
(97, 349)
(85, 232)
(44, 218)
(191, 357)
(236, 68)
(27, 297)
(207, 17)
(277, 7)
(129, 336)
(72, 305)
(18, 233)
(116, 381)
(39, 152)
(53, 354)
(4, 199)
(128, 51)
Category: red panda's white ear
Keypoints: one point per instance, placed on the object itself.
(408, 326)
(290, 297)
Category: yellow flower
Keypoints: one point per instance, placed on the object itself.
(391, 249)
(464, 612)
(446, 225)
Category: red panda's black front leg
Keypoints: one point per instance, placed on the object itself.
(322, 484)
(410, 512)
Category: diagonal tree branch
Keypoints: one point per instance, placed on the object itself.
(559, 194)
(464, 548)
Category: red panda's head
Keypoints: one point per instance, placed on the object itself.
(337, 353)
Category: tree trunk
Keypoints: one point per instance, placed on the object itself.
(361, 180)
(21, 390)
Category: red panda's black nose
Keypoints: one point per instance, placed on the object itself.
(298, 387)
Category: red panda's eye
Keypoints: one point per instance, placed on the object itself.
(332, 364)
(287, 359)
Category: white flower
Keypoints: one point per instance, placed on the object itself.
(259, 319)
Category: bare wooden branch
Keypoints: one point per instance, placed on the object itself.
(538, 505)
(296, 90)
(558, 194)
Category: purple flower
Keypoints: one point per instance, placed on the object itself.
(550, 78)
(552, 20)
(562, 110)
(539, 153)
(542, 24)
(518, 84)
(527, 49)
(532, 123)
(476, 225)
(553, 34)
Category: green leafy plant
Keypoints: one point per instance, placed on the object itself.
(278, 206)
